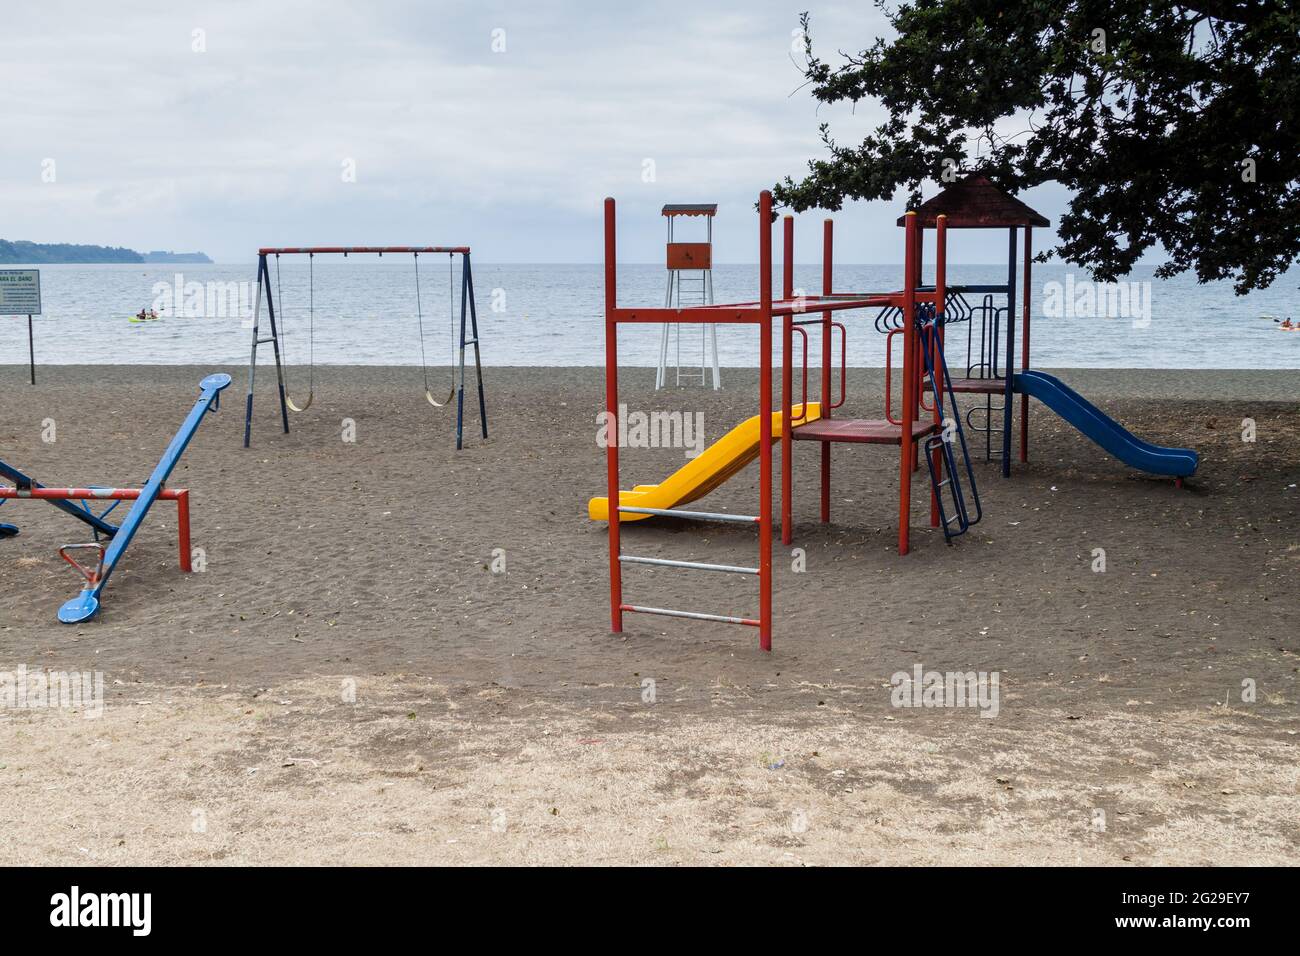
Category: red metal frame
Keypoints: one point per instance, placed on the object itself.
(179, 495)
(344, 250)
(828, 286)
(906, 429)
(907, 432)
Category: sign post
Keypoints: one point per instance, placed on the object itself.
(20, 293)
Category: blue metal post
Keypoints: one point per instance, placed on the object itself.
(478, 357)
(1011, 352)
(460, 386)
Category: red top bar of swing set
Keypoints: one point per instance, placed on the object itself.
(380, 250)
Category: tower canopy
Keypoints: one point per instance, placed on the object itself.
(975, 203)
(691, 209)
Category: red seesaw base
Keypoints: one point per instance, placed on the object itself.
(179, 495)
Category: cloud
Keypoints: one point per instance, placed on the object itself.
(225, 126)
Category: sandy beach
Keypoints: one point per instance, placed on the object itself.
(398, 653)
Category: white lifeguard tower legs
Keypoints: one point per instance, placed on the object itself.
(698, 288)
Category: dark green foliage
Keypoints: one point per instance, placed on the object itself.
(1150, 126)
(37, 253)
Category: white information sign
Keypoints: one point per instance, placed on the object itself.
(20, 292)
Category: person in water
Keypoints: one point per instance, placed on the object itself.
(1287, 324)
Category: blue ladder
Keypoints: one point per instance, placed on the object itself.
(960, 520)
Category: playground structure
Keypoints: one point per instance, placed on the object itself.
(990, 368)
(86, 604)
(922, 316)
(916, 427)
(274, 305)
(690, 271)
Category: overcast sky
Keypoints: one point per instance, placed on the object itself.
(240, 135)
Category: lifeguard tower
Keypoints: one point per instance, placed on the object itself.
(690, 284)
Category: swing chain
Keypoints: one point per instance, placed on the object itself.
(311, 330)
(419, 312)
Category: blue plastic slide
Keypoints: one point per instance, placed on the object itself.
(1104, 430)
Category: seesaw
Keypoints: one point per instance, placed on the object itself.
(84, 606)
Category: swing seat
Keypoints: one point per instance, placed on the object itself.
(445, 402)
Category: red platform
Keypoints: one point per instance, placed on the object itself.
(866, 431)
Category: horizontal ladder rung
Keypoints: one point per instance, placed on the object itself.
(693, 615)
(700, 515)
(695, 565)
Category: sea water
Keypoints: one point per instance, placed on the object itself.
(365, 313)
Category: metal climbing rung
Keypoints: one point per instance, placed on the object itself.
(960, 516)
(693, 565)
(699, 515)
(693, 615)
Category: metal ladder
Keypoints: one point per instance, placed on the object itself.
(698, 289)
(690, 565)
(960, 521)
(985, 366)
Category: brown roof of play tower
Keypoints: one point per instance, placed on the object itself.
(976, 203)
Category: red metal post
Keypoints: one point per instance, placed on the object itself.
(183, 527)
(827, 289)
(611, 422)
(918, 363)
(907, 451)
(1024, 348)
(765, 420)
(940, 293)
(787, 384)
(179, 495)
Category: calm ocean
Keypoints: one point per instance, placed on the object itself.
(551, 315)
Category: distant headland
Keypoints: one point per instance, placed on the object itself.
(21, 252)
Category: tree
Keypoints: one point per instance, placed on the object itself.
(1173, 124)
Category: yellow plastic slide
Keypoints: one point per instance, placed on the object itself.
(726, 456)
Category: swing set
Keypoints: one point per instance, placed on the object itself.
(276, 338)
